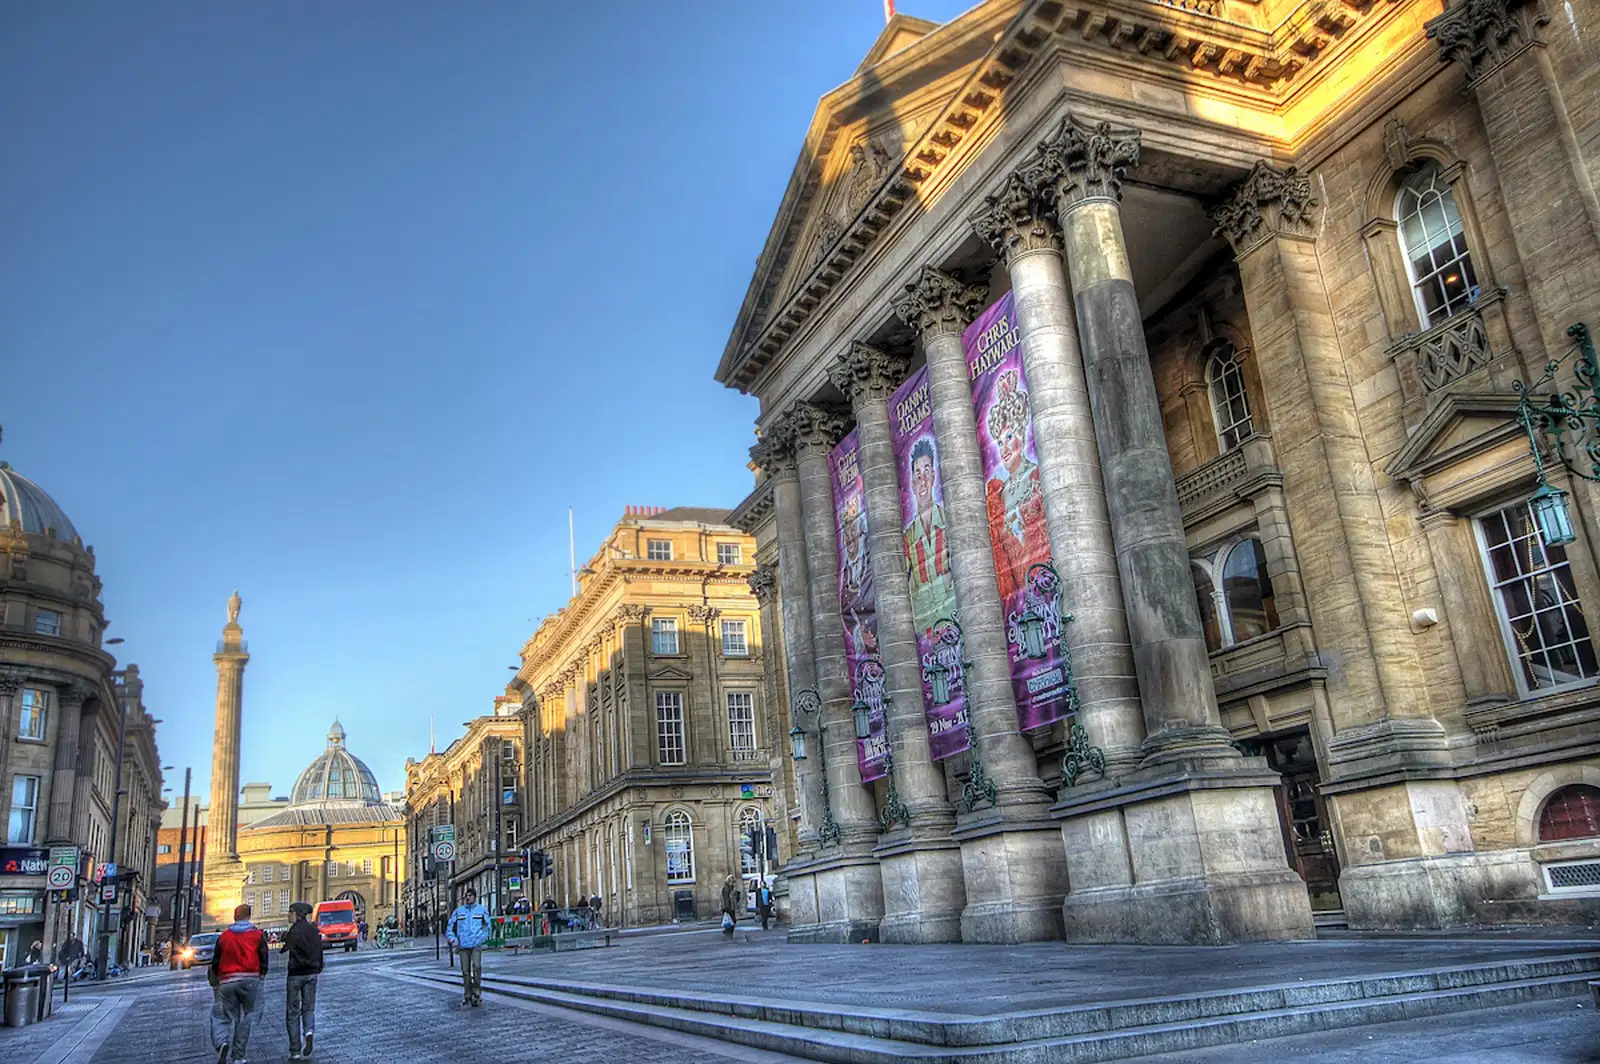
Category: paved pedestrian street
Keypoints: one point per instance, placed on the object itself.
(377, 1007)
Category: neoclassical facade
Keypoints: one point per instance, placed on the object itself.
(1215, 318)
(650, 736)
(61, 696)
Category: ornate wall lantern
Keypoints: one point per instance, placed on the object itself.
(1567, 420)
(1550, 512)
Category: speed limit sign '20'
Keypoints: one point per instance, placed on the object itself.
(444, 850)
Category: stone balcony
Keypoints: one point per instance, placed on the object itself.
(1227, 479)
(1454, 349)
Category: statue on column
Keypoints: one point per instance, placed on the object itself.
(234, 602)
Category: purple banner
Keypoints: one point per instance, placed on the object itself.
(858, 602)
(933, 589)
(1029, 592)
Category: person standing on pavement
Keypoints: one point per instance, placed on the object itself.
(303, 947)
(238, 967)
(467, 931)
(732, 902)
(764, 904)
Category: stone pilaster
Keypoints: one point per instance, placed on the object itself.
(1188, 848)
(1014, 871)
(1548, 190)
(1020, 222)
(921, 864)
(10, 688)
(64, 776)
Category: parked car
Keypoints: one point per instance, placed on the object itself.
(199, 949)
(336, 923)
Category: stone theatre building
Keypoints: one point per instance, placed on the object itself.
(1274, 269)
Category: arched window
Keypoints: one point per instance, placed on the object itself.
(1435, 246)
(680, 847)
(1571, 813)
(1205, 598)
(1230, 408)
(1234, 593)
(749, 820)
(1247, 590)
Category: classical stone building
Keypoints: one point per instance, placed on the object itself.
(474, 785)
(337, 836)
(1210, 318)
(649, 731)
(61, 697)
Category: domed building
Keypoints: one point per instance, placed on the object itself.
(61, 696)
(337, 838)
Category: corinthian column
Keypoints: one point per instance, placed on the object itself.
(1082, 166)
(1014, 869)
(775, 455)
(1020, 223)
(816, 430)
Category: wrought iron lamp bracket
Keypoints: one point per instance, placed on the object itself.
(1080, 756)
(1568, 419)
(978, 786)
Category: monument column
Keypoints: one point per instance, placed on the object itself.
(224, 874)
(1021, 225)
(923, 892)
(1012, 862)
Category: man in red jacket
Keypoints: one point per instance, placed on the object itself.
(238, 966)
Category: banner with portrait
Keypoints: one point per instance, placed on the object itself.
(1030, 595)
(933, 588)
(858, 602)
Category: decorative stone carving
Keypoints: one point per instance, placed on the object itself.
(939, 303)
(816, 428)
(1268, 203)
(10, 681)
(1017, 219)
(869, 163)
(866, 374)
(1482, 34)
(763, 582)
(1081, 162)
(700, 614)
(633, 611)
(774, 452)
(75, 693)
(828, 233)
(1448, 351)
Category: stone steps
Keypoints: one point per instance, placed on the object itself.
(1071, 1033)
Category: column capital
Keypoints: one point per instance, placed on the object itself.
(867, 374)
(10, 681)
(1082, 162)
(75, 693)
(774, 450)
(940, 304)
(763, 582)
(700, 614)
(1269, 202)
(1482, 34)
(633, 611)
(816, 428)
(1019, 219)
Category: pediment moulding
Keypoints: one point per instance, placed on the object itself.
(1255, 66)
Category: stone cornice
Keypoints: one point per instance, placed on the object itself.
(867, 374)
(1483, 34)
(1268, 203)
(937, 303)
(1259, 63)
(755, 510)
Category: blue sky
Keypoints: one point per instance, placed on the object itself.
(344, 304)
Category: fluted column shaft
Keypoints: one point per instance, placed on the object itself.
(64, 774)
(867, 376)
(775, 456)
(1086, 164)
(939, 306)
(1023, 228)
(816, 432)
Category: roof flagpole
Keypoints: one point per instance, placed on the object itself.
(888, 11)
(572, 553)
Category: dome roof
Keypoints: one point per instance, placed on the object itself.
(24, 505)
(336, 775)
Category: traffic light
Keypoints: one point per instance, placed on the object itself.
(549, 867)
(772, 844)
(750, 844)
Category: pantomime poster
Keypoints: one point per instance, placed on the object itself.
(858, 602)
(933, 589)
(1029, 592)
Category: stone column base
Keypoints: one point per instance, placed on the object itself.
(1015, 878)
(835, 898)
(1450, 890)
(923, 891)
(1190, 853)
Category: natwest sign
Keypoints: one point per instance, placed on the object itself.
(24, 861)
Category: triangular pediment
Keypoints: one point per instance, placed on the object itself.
(900, 32)
(670, 672)
(1458, 427)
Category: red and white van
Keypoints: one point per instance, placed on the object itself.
(336, 923)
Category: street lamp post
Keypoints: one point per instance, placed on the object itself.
(180, 896)
(103, 933)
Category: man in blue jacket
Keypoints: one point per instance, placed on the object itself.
(467, 931)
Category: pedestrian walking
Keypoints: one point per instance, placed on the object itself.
(361, 929)
(732, 902)
(594, 913)
(302, 945)
(764, 904)
(35, 953)
(71, 954)
(467, 931)
(238, 967)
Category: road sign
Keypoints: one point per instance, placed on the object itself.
(444, 833)
(108, 870)
(63, 867)
(444, 850)
(514, 883)
(108, 892)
